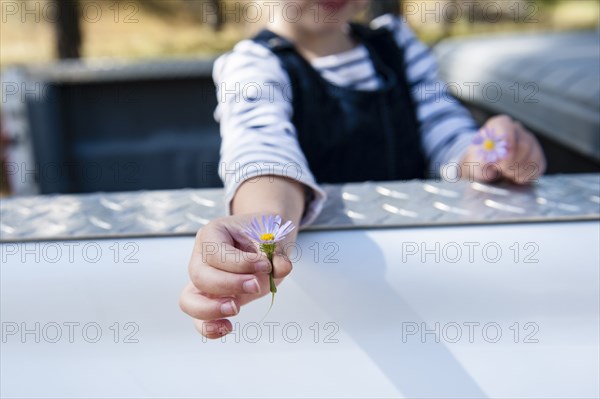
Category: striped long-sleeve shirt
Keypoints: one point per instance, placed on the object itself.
(255, 110)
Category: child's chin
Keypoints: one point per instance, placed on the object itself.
(333, 5)
(325, 27)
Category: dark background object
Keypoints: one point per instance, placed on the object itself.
(217, 20)
(147, 126)
(68, 29)
(380, 7)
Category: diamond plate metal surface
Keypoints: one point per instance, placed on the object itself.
(353, 205)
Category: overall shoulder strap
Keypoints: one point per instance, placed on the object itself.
(273, 41)
(365, 32)
(381, 40)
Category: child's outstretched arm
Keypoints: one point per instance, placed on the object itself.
(225, 273)
(263, 171)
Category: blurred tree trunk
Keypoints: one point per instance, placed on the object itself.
(380, 7)
(207, 11)
(217, 20)
(68, 30)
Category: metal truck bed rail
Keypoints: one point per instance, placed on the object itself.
(354, 205)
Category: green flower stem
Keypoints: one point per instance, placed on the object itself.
(269, 250)
(272, 279)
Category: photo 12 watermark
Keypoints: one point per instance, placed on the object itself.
(90, 172)
(118, 12)
(453, 172)
(469, 252)
(471, 11)
(289, 332)
(72, 252)
(252, 171)
(53, 332)
(45, 91)
(470, 332)
(314, 251)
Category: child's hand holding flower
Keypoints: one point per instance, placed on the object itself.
(267, 237)
(504, 149)
(227, 271)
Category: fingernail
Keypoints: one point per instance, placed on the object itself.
(262, 267)
(251, 286)
(222, 330)
(229, 308)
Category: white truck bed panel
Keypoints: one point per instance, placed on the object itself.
(512, 324)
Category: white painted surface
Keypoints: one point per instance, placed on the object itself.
(372, 295)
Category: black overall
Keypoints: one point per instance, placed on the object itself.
(352, 135)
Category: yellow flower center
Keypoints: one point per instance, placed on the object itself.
(489, 145)
(267, 237)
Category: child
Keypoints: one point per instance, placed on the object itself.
(319, 100)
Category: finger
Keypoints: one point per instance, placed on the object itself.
(533, 168)
(537, 156)
(519, 150)
(281, 266)
(229, 259)
(202, 307)
(473, 169)
(526, 146)
(215, 247)
(491, 171)
(529, 161)
(213, 329)
(217, 282)
(513, 142)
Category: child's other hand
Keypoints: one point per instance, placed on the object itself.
(226, 272)
(524, 162)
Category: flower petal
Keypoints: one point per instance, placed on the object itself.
(286, 228)
(256, 226)
(273, 224)
(282, 233)
(251, 234)
(265, 228)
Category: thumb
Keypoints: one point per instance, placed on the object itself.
(282, 266)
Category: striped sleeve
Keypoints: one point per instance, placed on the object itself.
(254, 111)
(447, 128)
